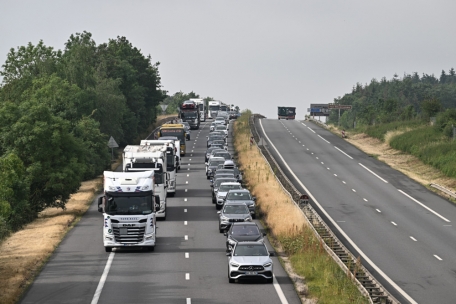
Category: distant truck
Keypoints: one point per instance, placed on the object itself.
(150, 158)
(190, 113)
(171, 160)
(174, 130)
(128, 206)
(201, 107)
(287, 113)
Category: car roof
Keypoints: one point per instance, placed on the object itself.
(235, 203)
(239, 190)
(216, 158)
(229, 161)
(244, 224)
(230, 183)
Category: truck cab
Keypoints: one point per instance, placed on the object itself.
(128, 205)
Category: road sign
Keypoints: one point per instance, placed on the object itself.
(338, 106)
(318, 109)
(112, 143)
(304, 200)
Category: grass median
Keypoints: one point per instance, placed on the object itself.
(325, 281)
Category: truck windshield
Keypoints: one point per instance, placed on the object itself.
(123, 205)
(189, 115)
(179, 133)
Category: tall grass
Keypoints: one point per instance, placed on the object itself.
(325, 281)
(379, 131)
(431, 146)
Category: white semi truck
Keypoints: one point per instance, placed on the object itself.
(153, 158)
(171, 160)
(200, 104)
(128, 206)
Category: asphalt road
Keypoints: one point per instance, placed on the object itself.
(188, 265)
(403, 232)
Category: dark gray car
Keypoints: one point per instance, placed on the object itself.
(242, 196)
(233, 213)
(243, 232)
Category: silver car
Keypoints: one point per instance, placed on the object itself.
(233, 213)
(248, 260)
(242, 196)
(223, 190)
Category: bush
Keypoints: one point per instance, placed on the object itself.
(4, 231)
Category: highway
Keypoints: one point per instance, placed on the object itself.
(188, 265)
(403, 232)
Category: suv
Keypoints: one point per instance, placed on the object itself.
(223, 190)
(243, 232)
(242, 196)
(233, 213)
(217, 182)
(249, 259)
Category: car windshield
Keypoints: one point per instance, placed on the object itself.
(245, 230)
(225, 155)
(238, 196)
(220, 118)
(236, 209)
(216, 162)
(225, 188)
(250, 250)
(223, 180)
(220, 127)
(122, 205)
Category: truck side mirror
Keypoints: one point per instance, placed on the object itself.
(157, 202)
(100, 204)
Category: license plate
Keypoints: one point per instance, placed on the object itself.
(128, 244)
(251, 273)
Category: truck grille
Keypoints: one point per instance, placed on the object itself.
(130, 235)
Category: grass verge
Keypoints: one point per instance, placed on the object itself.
(325, 281)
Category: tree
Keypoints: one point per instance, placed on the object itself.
(431, 107)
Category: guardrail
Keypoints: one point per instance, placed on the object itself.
(444, 190)
(364, 280)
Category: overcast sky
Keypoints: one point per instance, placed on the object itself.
(255, 54)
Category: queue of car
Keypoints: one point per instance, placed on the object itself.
(247, 253)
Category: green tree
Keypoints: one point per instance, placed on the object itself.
(431, 107)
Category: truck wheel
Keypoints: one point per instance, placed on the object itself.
(171, 194)
(108, 249)
(151, 248)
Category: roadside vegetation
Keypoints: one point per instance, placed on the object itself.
(325, 282)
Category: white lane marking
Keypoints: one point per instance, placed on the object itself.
(316, 157)
(353, 190)
(311, 152)
(322, 163)
(188, 165)
(335, 174)
(363, 255)
(187, 255)
(394, 223)
(187, 276)
(344, 182)
(372, 172)
(185, 223)
(97, 294)
(189, 301)
(190, 159)
(378, 210)
(324, 139)
(424, 206)
(308, 149)
(437, 257)
(299, 141)
(186, 190)
(328, 168)
(191, 154)
(365, 199)
(188, 169)
(303, 145)
(310, 129)
(186, 237)
(188, 174)
(192, 150)
(185, 210)
(413, 239)
(344, 152)
(283, 299)
(186, 182)
(185, 199)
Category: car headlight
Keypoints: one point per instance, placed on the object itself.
(231, 241)
(251, 205)
(267, 264)
(223, 218)
(234, 264)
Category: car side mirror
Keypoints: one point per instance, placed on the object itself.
(271, 253)
(264, 234)
(254, 199)
(100, 204)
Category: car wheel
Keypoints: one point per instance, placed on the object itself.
(231, 280)
(270, 281)
(221, 230)
(108, 249)
(207, 176)
(253, 216)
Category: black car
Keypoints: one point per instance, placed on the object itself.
(243, 232)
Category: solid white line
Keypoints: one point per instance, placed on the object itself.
(413, 238)
(378, 210)
(189, 301)
(185, 222)
(187, 255)
(97, 294)
(187, 276)
(186, 237)
(372, 172)
(344, 152)
(363, 255)
(424, 206)
(437, 257)
(324, 139)
(310, 129)
(394, 223)
(279, 291)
